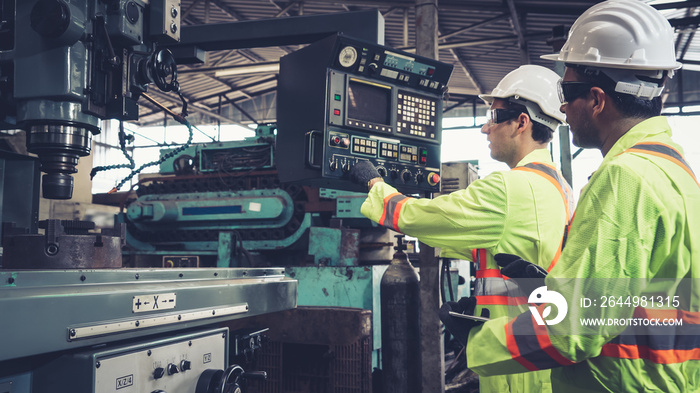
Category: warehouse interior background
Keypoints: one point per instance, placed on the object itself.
(235, 89)
(311, 248)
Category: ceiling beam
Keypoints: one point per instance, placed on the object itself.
(468, 71)
(226, 9)
(572, 8)
(189, 9)
(486, 41)
(236, 88)
(474, 26)
(515, 21)
(193, 106)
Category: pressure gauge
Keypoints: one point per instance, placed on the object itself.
(348, 56)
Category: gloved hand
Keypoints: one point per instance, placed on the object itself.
(460, 327)
(526, 274)
(362, 172)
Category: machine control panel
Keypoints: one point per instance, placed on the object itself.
(173, 367)
(342, 101)
(405, 164)
(176, 364)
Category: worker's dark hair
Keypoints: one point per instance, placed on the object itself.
(627, 104)
(540, 132)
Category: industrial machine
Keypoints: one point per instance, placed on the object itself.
(341, 100)
(75, 320)
(265, 200)
(203, 242)
(222, 204)
(68, 64)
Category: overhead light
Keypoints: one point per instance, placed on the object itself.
(249, 69)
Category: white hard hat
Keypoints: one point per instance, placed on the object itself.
(623, 34)
(535, 87)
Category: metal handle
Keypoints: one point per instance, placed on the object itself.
(310, 149)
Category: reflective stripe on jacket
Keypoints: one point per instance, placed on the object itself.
(490, 287)
(636, 221)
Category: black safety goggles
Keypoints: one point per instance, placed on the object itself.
(569, 91)
(495, 116)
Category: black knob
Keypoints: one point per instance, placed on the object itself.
(372, 68)
(382, 171)
(158, 373)
(172, 369)
(394, 173)
(406, 176)
(420, 177)
(185, 365)
(333, 166)
(345, 167)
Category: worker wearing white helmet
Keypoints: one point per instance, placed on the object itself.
(521, 211)
(634, 234)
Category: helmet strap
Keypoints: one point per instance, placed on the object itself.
(535, 113)
(644, 84)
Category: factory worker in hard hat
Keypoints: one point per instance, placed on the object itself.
(622, 312)
(521, 211)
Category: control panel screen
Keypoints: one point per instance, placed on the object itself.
(369, 102)
(408, 64)
(341, 101)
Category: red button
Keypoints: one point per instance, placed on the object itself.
(433, 178)
(336, 112)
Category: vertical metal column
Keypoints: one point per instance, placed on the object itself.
(432, 350)
(564, 137)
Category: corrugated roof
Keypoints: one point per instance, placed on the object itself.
(483, 39)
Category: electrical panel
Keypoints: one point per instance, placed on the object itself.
(341, 100)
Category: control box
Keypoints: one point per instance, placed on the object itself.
(341, 100)
(174, 365)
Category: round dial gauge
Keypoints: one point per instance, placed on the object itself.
(348, 56)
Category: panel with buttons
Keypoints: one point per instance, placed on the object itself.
(364, 146)
(365, 102)
(408, 154)
(416, 115)
(389, 150)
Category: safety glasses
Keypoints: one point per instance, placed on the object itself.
(569, 91)
(495, 116)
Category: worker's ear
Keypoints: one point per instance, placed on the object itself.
(598, 97)
(523, 122)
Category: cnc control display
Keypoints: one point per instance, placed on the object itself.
(366, 102)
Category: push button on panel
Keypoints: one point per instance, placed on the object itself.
(433, 178)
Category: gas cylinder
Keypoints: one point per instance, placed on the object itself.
(400, 308)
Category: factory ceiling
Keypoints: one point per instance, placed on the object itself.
(483, 39)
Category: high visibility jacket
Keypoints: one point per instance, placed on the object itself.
(521, 211)
(636, 221)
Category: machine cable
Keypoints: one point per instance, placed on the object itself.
(180, 118)
(123, 139)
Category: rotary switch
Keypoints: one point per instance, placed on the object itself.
(172, 369)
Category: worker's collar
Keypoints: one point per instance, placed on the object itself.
(538, 155)
(653, 126)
